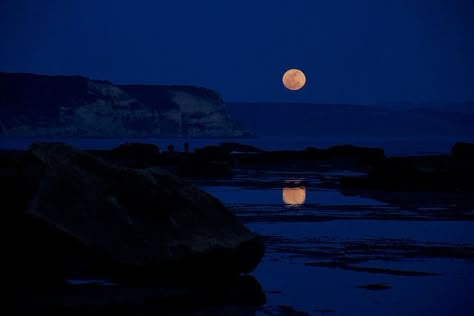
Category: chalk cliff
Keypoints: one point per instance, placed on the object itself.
(187, 110)
(74, 106)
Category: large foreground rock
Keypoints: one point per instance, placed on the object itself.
(133, 224)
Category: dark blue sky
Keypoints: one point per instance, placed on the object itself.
(352, 51)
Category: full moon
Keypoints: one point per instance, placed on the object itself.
(294, 196)
(294, 79)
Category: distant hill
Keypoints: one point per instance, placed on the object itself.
(405, 120)
(74, 106)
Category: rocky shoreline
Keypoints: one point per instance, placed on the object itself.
(69, 215)
(125, 216)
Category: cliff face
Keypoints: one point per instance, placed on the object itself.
(35, 105)
(193, 111)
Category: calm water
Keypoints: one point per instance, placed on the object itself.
(338, 225)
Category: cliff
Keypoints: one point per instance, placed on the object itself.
(74, 106)
(193, 111)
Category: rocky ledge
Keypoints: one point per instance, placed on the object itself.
(67, 214)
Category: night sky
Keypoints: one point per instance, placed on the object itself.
(352, 51)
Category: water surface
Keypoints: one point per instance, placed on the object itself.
(335, 227)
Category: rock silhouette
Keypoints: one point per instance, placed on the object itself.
(134, 225)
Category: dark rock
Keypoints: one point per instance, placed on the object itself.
(133, 225)
(24, 261)
(134, 150)
(243, 294)
(463, 151)
(134, 155)
(213, 153)
(201, 168)
(207, 162)
(218, 160)
(343, 156)
(418, 174)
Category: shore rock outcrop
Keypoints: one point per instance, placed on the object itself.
(136, 224)
(436, 173)
(463, 152)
